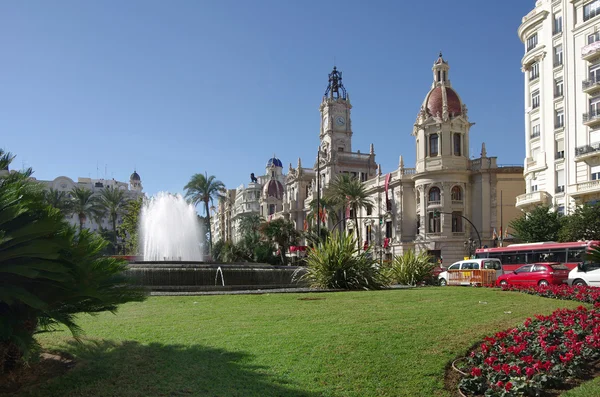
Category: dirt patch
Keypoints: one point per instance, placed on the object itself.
(50, 365)
(452, 378)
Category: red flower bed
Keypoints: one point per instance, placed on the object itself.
(583, 294)
(540, 354)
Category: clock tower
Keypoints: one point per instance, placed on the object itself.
(336, 125)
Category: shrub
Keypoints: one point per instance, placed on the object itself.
(337, 263)
(48, 271)
(410, 268)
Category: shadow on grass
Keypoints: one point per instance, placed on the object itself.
(107, 368)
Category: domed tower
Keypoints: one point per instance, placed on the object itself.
(442, 167)
(336, 125)
(274, 169)
(135, 182)
(272, 197)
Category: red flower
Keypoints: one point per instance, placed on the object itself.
(508, 386)
(530, 372)
(476, 371)
(500, 383)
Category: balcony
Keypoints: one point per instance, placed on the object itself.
(592, 118)
(529, 200)
(591, 85)
(583, 189)
(590, 51)
(536, 163)
(590, 154)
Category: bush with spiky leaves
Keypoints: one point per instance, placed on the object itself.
(338, 263)
(48, 271)
(410, 268)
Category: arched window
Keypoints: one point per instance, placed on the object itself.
(433, 145)
(434, 194)
(457, 145)
(456, 193)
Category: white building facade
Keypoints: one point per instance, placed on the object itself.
(561, 68)
(446, 201)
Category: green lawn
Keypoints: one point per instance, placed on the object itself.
(385, 343)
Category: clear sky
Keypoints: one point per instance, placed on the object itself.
(172, 88)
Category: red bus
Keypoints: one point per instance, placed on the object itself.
(516, 255)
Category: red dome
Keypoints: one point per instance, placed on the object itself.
(435, 101)
(273, 188)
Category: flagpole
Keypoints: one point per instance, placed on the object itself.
(501, 228)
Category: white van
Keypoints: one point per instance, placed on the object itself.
(472, 264)
(586, 273)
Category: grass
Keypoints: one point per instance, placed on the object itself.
(385, 343)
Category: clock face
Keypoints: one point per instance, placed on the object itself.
(339, 120)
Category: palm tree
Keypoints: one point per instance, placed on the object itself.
(327, 204)
(249, 226)
(60, 200)
(204, 189)
(84, 204)
(283, 233)
(112, 204)
(5, 159)
(347, 190)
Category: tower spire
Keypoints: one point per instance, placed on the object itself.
(335, 88)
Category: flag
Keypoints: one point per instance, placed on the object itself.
(270, 217)
(387, 185)
(506, 233)
(494, 234)
(348, 207)
(500, 234)
(305, 225)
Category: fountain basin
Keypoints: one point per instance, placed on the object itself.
(189, 276)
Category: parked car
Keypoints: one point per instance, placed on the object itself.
(465, 267)
(586, 273)
(536, 274)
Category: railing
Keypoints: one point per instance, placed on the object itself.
(560, 155)
(534, 134)
(357, 156)
(472, 277)
(560, 189)
(408, 171)
(592, 185)
(590, 49)
(457, 202)
(534, 197)
(434, 202)
(585, 149)
(594, 81)
(591, 116)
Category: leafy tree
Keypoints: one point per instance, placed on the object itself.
(129, 228)
(60, 200)
(283, 233)
(249, 226)
(541, 224)
(338, 263)
(347, 190)
(85, 205)
(328, 206)
(48, 272)
(112, 204)
(582, 224)
(204, 189)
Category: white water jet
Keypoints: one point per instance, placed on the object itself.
(170, 229)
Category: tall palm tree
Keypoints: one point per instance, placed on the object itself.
(5, 159)
(204, 189)
(347, 190)
(112, 204)
(60, 200)
(84, 204)
(327, 204)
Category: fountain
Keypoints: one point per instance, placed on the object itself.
(170, 238)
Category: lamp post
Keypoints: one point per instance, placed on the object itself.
(437, 214)
(319, 193)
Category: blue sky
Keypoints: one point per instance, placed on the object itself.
(175, 88)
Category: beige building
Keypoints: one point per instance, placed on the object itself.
(445, 204)
(561, 68)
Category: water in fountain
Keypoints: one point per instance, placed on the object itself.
(170, 229)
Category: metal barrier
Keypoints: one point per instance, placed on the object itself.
(472, 277)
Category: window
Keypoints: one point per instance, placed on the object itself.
(533, 185)
(271, 209)
(524, 269)
(595, 106)
(532, 42)
(388, 229)
(434, 195)
(363, 177)
(594, 37)
(560, 181)
(561, 210)
(434, 223)
(456, 266)
(595, 173)
(368, 233)
(457, 226)
(559, 118)
(535, 99)
(340, 149)
(534, 71)
(535, 152)
(456, 193)
(535, 131)
(594, 137)
(433, 145)
(558, 55)
(369, 210)
(560, 148)
(557, 28)
(457, 145)
(558, 87)
(590, 10)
